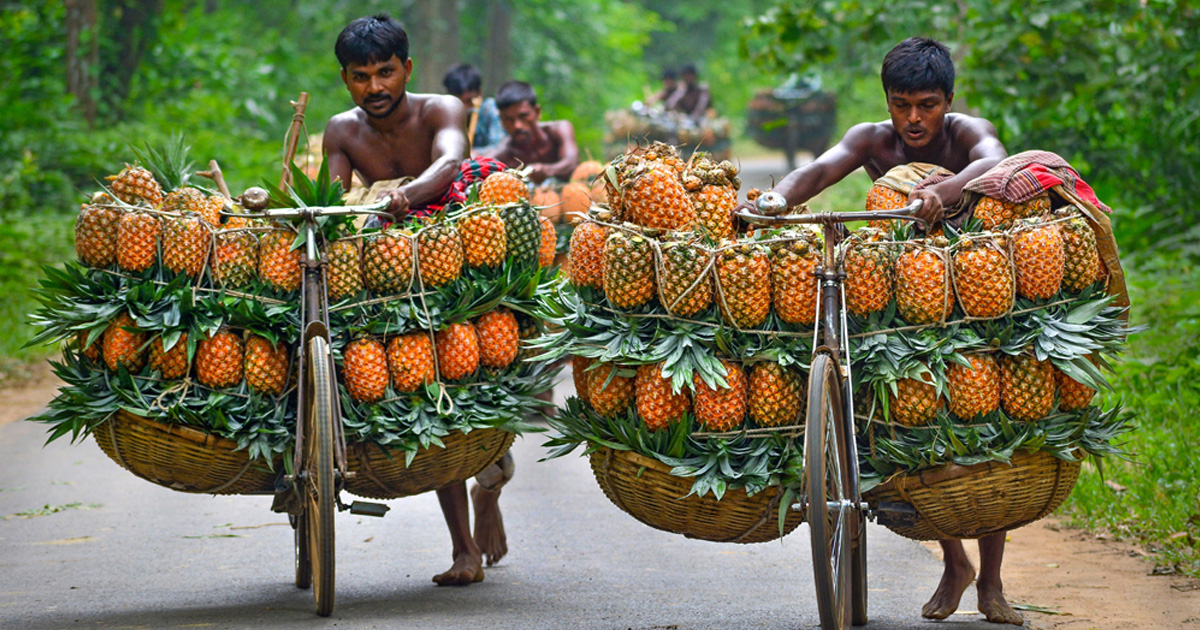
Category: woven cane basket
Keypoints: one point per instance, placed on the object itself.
(181, 458)
(646, 489)
(955, 501)
(380, 474)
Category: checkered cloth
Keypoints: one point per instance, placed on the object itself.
(472, 170)
(1021, 177)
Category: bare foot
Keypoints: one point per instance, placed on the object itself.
(955, 579)
(489, 524)
(993, 605)
(466, 570)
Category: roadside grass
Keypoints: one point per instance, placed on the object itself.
(28, 240)
(1154, 500)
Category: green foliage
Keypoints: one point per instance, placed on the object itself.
(30, 241)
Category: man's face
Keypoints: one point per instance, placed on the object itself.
(468, 97)
(689, 78)
(918, 116)
(669, 83)
(378, 88)
(519, 121)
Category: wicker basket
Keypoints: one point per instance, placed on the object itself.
(383, 475)
(955, 501)
(646, 489)
(181, 458)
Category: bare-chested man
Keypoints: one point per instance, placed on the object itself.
(548, 149)
(389, 135)
(918, 81)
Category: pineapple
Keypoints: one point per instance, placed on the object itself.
(996, 214)
(628, 270)
(1038, 256)
(523, 233)
(440, 254)
(579, 376)
(266, 365)
(185, 243)
(775, 395)
(1081, 260)
(983, 277)
(457, 351)
(219, 360)
(484, 240)
(187, 199)
(722, 409)
(882, 199)
(548, 203)
(587, 171)
(343, 275)
(91, 352)
(172, 363)
(655, 198)
(609, 398)
(122, 346)
(686, 284)
(279, 264)
(974, 391)
(1026, 387)
(657, 405)
(387, 262)
(915, 402)
(528, 329)
(137, 240)
(714, 210)
(365, 370)
(586, 257)
(96, 235)
(576, 200)
(499, 338)
(135, 185)
(235, 259)
(923, 295)
(549, 243)
(744, 286)
(1072, 395)
(503, 187)
(794, 285)
(410, 361)
(870, 272)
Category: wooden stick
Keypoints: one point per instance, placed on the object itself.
(214, 173)
(293, 138)
(473, 121)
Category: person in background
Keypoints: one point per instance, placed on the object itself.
(690, 98)
(670, 83)
(547, 149)
(483, 117)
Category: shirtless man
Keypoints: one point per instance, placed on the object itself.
(392, 134)
(690, 98)
(918, 81)
(548, 149)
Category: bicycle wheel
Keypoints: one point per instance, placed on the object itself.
(302, 555)
(829, 508)
(858, 521)
(319, 505)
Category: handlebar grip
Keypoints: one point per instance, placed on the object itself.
(771, 203)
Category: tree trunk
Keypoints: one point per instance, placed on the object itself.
(497, 60)
(82, 53)
(433, 34)
(134, 34)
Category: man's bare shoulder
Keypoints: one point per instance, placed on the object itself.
(870, 136)
(437, 108)
(560, 128)
(965, 125)
(343, 126)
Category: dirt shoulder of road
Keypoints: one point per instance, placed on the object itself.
(23, 398)
(1093, 583)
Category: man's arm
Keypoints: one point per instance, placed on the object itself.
(985, 151)
(333, 142)
(446, 118)
(829, 168)
(564, 132)
(702, 102)
(502, 152)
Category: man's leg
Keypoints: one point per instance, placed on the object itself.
(989, 588)
(485, 494)
(955, 578)
(468, 561)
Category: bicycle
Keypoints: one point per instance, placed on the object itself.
(837, 524)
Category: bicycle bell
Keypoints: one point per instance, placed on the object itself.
(771, 203)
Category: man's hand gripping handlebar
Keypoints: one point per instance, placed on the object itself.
(255, 201)
(770, 207)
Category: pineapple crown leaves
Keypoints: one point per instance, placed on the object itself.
(168, 164)
(305, 192)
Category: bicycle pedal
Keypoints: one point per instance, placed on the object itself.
(366, 508)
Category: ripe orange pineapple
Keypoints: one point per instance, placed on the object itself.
(628, 270)
(997, 214)
(686, 284)
(96, 235)
(135, 185)
(410, 361)
(923, 295)
(186, 199)
(440, 254)
(548, 203)
(122, 344)
(656, 199)
(278, 263)
(1026, 387)
(744, 282)
(171, 363)
(484, 239)
(502, 188)
(549, 243)
(775, 395)
(974, 391)
(587, 171)
(870, 271)
(457, 351)
(586, 257)
(714, 211)
(1081, 260)
(344, 277)
(185, 243)
(1072, 395)
(794, 285)
(609, 398)
(92, 352)
(722, 409)
(219, 360)
(915, 402)
(881, 199)
(499, 338)
(387, 262)
(1038, 256)
(266, 365)
(983, 277)
(235, 260)
(579, 375)
(365, 370)
(137, 240)
(657, 405)
(576, 200)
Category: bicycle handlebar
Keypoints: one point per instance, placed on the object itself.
(772, 204)
(375, 208)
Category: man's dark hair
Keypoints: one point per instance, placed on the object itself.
(371, 39)
(669, 73)
(688, 69)
(918, 64)
(515, 92)
(462, 78)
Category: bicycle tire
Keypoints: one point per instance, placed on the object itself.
(303, 556)
(858, 573)
(319, 486)
(826, 468)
